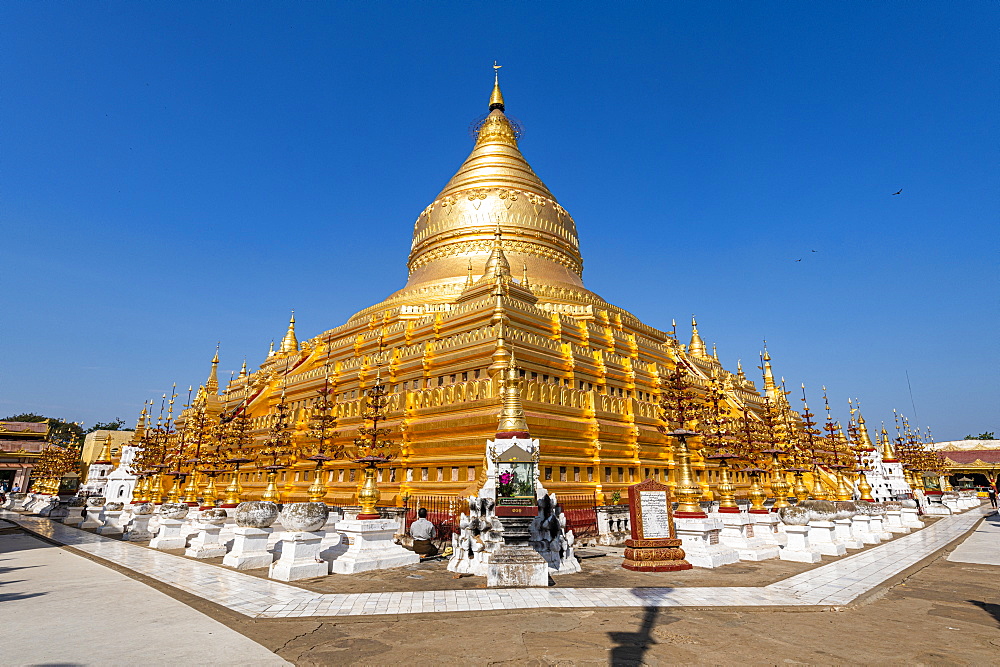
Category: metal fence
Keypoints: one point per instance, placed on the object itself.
(442, 511)
(581, 513)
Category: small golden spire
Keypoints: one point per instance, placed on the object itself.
(739, 370)
(243, 371)
(212, 383)
(105, 455)
(524, 277)
(497, 266)
(715, 353)
(469, 282)
(888, 456)
(270, 350)
(290, 343)
(496, 98)
(512, 422)
(866, 441)
(769, 386)
(697, 346)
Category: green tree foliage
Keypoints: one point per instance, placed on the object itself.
(982, 436)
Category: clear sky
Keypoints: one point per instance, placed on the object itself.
(174, 174)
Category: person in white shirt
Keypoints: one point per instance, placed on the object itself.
(422, 531)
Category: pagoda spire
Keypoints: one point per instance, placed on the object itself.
(496, 97)
(243, 370)
(512, 421)
(769, 386)
(497, 266)
(866, 441)
(105, 455)
(888, 455)
(696, 348)
(290, 343)
(739, 370)
(212, 383)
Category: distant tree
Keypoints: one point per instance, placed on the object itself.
(116, 425)
(982, 436)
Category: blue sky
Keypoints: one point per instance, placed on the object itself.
(174, 174)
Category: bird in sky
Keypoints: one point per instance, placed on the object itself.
(898, 193)
(813, 251)
(798, 260)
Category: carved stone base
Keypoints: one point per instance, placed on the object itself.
(299, 558)
(371, 548)
(702, 547)
(169, 535)
(517, 565)
(249, 550)
(798, 549)
(206, 543)
(658, 555)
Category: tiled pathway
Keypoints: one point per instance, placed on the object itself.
(837, 583)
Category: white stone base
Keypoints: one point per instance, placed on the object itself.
(878, 527)
(911, 518)
(206, 543)
(517, 566)
(799, 550)
(170, 535)
(768, 527)
(137, 529)
(894, 522)
(700, 541)
(74, 518)
(936, 510)
(822, 539)
(93, 518)
(843, 534)
(299, 558)
(109, 525)
(739, 532)
(249, 550)
(371, 547)
(861, 529)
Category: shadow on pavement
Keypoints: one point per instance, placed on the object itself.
(630, 647)
(990, 608)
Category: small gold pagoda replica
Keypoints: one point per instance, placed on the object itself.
(494, 269)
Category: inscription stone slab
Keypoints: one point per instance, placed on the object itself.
(654, 546)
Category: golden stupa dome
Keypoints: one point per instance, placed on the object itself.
(494, 188)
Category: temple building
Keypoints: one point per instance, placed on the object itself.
(495, 268)
(971, 463)
(20, 445)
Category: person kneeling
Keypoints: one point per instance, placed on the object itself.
(422, 531)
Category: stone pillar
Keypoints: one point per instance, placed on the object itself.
(170, 535)
(861, 529)
(768, 527)
(299, 557)
(300, 544)
(75, 516)
(822, 538)
(372, 548)
(798, 549)
(894, 521)
(249, 550)
(740, 532)
(93, 517)
(206, 543)
(878, 527)
(842, 533)
(137, 529)
(109, 522)
(700, 540)
(911, 518)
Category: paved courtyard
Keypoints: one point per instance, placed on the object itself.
(910, 600)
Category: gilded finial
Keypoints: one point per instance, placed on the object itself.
(512, 422)
(739, 370)
(696, 348)
(468, 279)
(243, 370)
(212, 383)
(524, 277)
(290, 343)
(715, 353)
(888, 455)
(496, 98)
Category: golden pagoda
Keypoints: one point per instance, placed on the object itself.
(591, 371)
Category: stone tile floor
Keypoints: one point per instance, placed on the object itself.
(835, 584)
